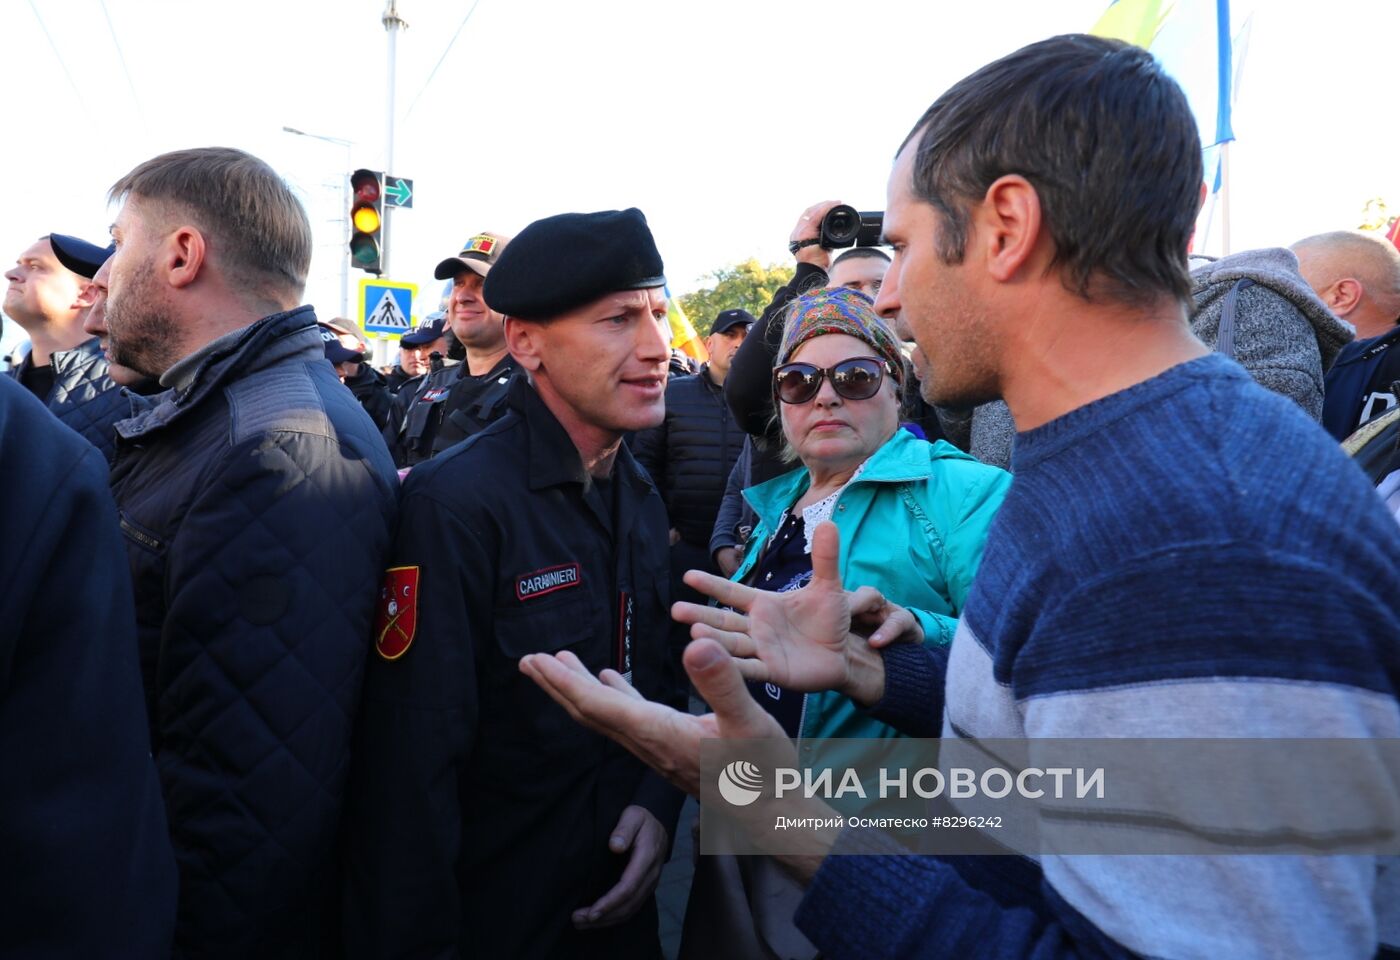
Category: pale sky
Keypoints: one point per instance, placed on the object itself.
(720, 120)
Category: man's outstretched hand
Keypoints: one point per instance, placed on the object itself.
(664, 739)
(809, 639)
(668, 741)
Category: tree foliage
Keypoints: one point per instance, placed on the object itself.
(748, 285)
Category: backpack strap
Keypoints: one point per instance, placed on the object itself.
(1225, 338)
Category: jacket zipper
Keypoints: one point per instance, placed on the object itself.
(140, 536)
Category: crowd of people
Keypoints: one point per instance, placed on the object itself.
(309, 659)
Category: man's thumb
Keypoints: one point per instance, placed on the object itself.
(719, 683)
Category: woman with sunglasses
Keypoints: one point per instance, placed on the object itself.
(912, 518)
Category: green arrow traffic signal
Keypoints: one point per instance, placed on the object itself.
(399, 191)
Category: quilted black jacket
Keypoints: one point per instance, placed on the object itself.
(84, 397)
(257, 505)
(690, 455)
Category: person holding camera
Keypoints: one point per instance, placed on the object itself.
(821, 228)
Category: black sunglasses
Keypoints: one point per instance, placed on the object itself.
(855, 379)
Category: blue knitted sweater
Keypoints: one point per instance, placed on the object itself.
(1190, 557)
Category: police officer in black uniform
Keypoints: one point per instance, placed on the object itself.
(484, 821)
(455, 402)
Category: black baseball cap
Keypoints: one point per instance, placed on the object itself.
(729, 319)
(337, 352)
(426, 332)
(83, 258)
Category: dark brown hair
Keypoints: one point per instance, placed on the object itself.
(253, 222)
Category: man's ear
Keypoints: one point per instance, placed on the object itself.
(184, 255)
(523, 342)
(1006, 227)
(1344, 295)
(87, 296)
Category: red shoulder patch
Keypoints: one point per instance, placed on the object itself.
(396, 619)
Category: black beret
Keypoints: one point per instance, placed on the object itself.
(562, 262)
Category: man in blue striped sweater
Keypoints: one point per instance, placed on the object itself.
(1181, 554)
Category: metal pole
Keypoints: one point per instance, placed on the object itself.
(392, 22)
(345, 237)
(1225, 198)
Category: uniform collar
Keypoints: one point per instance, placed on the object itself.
(554, 460)
(503, 366)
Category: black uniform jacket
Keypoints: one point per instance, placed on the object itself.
(480, 812)
(448, 406)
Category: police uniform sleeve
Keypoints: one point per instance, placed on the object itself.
(414, 734)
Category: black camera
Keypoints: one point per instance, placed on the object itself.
(845, 226)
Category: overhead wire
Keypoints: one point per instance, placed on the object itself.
(121, 56)
(61, 62)
(434, 71)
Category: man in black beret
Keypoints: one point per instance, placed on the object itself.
(483, 818)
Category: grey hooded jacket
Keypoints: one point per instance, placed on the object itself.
(1282, 334)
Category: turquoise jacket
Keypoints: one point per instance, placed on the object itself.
(912, 525)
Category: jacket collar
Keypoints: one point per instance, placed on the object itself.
(273, 340)
(65, 362)
(554, 460)
(902, 458)
(81, 357)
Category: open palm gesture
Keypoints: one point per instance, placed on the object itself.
(803, 639)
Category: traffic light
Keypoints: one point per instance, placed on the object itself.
(367, 221)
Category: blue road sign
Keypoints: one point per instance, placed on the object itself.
(386, 306)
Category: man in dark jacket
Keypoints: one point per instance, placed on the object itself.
(257, 500)
(49, 294)
(484, 822)
(1358, 276)
(455, 402)
(690, 454)
(88, 870)
(346, 349)
(416, 349)
(416, 360)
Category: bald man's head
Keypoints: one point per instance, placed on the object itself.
(1357, 275)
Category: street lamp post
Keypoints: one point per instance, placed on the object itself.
(344, 212)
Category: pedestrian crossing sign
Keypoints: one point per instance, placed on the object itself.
(386, 306)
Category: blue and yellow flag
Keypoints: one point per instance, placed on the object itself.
(1195, 42)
